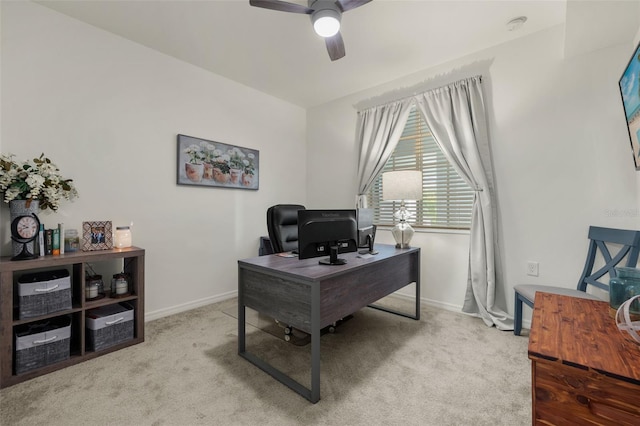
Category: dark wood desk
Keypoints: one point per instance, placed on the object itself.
(584, 370)
(309, 296)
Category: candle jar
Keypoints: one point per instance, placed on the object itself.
(93, 287)
(120, 285)
(91, 290)
(71, 240)
(624, 287)
(122, 237)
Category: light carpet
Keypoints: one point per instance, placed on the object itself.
(377, 369)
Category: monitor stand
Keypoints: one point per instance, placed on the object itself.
(333, 257)
(371, 250)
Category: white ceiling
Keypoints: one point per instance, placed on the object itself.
(278, 53)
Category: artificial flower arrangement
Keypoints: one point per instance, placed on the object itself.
(249, 165)
(236, 158)
(39, 179)
(195, 154)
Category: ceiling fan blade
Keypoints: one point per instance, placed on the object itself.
(351, 4)
(282, 6)
(335, 47)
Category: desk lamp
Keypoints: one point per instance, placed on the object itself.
(400, 186)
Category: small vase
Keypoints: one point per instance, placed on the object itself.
(20, 208)
(236, 174)
(624, 287)
(194, 171)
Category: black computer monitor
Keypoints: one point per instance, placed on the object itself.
(327, 232)
(366, 231)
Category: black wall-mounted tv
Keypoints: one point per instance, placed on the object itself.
(629, 84)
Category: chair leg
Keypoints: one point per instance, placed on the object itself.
(517, 320)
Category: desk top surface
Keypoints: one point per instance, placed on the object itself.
(310, 269)
(581, 332)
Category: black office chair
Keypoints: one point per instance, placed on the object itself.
(282, 226)
(627, 243)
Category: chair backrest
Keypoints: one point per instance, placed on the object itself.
(601, 241)
(282, 225)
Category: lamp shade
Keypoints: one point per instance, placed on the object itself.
(326, 22)
(402, 185)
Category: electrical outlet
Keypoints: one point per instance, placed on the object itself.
(532, 268)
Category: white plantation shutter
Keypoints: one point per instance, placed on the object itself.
(446, 198)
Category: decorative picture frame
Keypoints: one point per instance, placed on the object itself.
(202, 162)
(97, 235)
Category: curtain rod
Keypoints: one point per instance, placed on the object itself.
(478, 76)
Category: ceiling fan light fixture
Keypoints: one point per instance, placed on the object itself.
(326, 22)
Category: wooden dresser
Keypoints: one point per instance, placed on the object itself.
(584, 370)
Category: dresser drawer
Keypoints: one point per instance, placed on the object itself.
(566, 395)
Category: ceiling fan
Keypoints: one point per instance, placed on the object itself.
(325, 16)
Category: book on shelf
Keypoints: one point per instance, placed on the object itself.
(61, 237)
(48, 241)
(55, 244)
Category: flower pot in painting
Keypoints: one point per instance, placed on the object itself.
(208, 171)
(194, 171)
(236, 174)
(220, 176)
(247, 179)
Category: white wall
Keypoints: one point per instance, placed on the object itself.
(560, 149)
(107, 111)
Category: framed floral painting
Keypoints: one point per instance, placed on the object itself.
(207, 163)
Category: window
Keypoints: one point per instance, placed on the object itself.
(446, 197)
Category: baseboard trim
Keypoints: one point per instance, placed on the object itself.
(161, 313)
(429, 302)
(526, 323)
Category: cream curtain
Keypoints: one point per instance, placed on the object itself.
(378, 131)
(455, 115)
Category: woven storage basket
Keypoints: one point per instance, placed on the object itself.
(42, 343)
(42, 293)
(109, 325)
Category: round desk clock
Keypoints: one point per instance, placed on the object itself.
(24, 229)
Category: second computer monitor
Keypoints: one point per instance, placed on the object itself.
(366, 230)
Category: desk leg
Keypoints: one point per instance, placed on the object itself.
(312, 394)
(242, 326)
(315, 344)
(416, 274)
(403, 314)
(417, 267)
